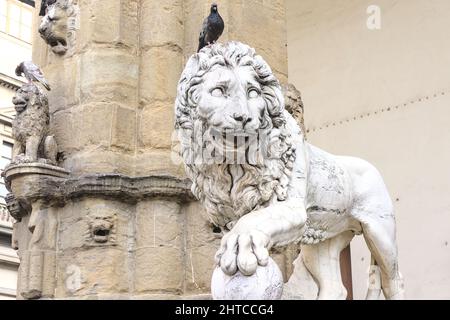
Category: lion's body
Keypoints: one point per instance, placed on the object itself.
(332, 204)
(30, 127)
(32, 122)
(295, 193)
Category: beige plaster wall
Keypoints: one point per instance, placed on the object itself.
(384, 95)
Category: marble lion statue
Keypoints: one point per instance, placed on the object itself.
(30, 127)
(57, 27)
(274, 188)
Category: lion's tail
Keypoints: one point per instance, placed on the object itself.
(374, 287)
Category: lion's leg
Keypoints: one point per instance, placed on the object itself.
(18, 148)
(301, 285)
(32, 146)
(374, 211)
(50, 149)
(380, 238)
(322, 261)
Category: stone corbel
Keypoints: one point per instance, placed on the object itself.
(38, 260)
(34, 234)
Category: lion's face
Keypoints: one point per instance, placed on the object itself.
(101, 229)
(53, 28)
(231, 101)
(22, 98)
(29, 97)
(102, 226)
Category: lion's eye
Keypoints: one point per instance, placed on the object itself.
(253, 93)
(217, 92)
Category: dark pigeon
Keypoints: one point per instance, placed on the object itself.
(212, 28)
(44, 5)
(32, 73)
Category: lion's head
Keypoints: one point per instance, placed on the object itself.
(226, 92)
(28, 95)
(58, 24)
(230, 88)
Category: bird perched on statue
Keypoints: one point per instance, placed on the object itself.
(212, 28)
(44, 5)
(32, 73)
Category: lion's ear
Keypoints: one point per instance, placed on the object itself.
(192, 65)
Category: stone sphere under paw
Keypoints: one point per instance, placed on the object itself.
(265, 284)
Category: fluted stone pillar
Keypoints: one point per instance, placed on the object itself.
(126, 224)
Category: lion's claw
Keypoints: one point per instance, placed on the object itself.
(243, 251)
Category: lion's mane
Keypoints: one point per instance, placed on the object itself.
(229, 191)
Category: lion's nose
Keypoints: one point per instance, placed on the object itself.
(239, 117)
(42, 29)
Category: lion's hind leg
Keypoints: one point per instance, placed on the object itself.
(373, 209)
(380, 238)
(50, 149)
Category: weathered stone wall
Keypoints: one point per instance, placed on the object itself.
(111, 109)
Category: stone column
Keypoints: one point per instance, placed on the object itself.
(125, 222)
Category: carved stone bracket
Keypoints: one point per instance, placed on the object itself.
(29, 181)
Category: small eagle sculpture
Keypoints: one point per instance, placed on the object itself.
(212, 28)
(32, 73)
(44, 6)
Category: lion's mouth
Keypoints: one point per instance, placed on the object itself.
(58, 44)
(20, 106)
(101, 234)
(235, 141)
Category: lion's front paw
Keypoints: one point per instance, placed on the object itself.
(21, 158)
(243, 251)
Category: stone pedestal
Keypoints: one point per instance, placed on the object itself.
(123, 223)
